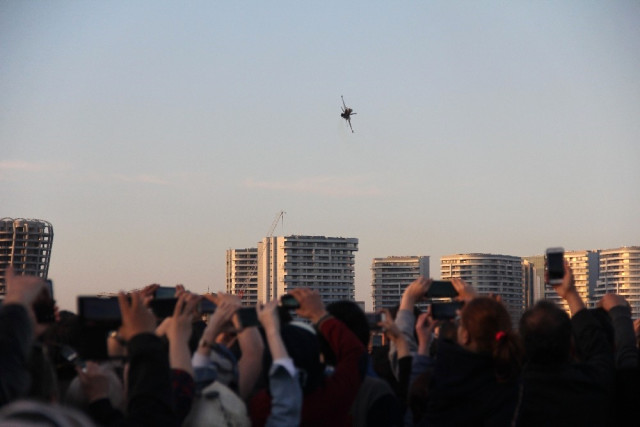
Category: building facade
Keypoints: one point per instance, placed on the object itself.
(620, 274)
(242, 274)
(25, 244)
(391, 275)
(490, 274)
(325, 264)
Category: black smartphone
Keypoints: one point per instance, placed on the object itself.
(554, 261)
(163, 307)
(441, 289)
(99, 309)
(164, 292)
(50, 287)
(289, 301)
(373, 319)
(71, 356)
(445, 310)
(206, 306)
(245, 317)
(44, 305)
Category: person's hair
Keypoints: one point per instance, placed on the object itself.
(546, 332)
(350, 313)
(489, 326)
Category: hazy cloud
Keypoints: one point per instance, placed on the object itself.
(142, 178)
(22, 166)
(334, 186)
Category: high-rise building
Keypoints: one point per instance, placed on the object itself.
(242, 274)
(25, 244)
(391, 275)
(490, 274)
(537, 282)
(620, 274)
(325, 264)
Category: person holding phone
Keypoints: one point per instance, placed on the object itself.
(553, 382)
(480, 371)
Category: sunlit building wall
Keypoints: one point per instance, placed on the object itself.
(391, 275)
(620, 274)
(25, 244)
(242, 274)
(325, 264)
(489, 274)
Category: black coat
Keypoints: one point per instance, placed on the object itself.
(577, 394)
(464, 390)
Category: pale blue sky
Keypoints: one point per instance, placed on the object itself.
(156, 135)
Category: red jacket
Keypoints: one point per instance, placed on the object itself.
(329, 404)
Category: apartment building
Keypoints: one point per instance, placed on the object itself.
(325, 264)
(242, 274)
(489, 274)
(620, 274)
(391, 275)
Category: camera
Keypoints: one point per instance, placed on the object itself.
(288, 301)
(554, 261)
(164, 292)
(441, 289)
(245, 317)
(99, 310)
(445, 310)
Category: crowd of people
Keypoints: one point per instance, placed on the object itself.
(315, 366)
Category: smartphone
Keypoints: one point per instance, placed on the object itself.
(445, 310)
(164, 292)
(555, 265)
(71, 356)
(206, 306)
(99, 309)
(163, 307)
(50, 287)
(44, 305)
(441, 289)
(245, 317)
(373, 319)
(289, 301)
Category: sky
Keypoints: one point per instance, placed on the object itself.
(155, 135)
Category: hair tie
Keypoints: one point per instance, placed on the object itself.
(500, 335)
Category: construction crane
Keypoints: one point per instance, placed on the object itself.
(240, 289)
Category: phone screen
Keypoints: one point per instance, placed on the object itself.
(164, 292)
(555, 265)
(163, 307)
(99, 309)
(373, 319)
(289, 301)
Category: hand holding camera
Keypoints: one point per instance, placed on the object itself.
(136, 318)
(311, 305)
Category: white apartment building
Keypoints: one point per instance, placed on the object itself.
(391, 275)
(242, 274)
(584, 265)
(620, 274)
(325, 264)
(489, 274)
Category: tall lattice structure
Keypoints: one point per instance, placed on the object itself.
(25, 244)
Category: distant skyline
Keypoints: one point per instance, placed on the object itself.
(154, 136)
